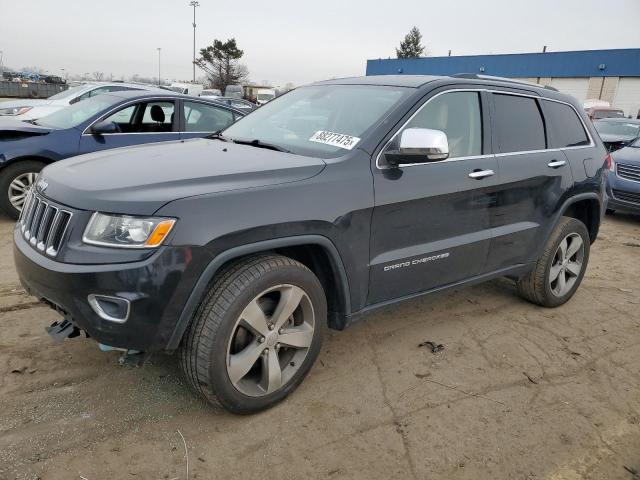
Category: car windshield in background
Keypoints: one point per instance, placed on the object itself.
(608, 114)
(322, 120)
(623, 129)
(77, 113)
(68, 93)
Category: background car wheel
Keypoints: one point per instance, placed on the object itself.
(610, 211)
(560, 268)
(15, 181)
(256, 333)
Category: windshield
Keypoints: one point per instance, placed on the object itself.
(314, 120)
(68, 93)
(623, 129)
(608, 114)
(75, 114)
(265, 96)
(178, 89)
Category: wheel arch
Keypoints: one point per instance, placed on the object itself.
(316, 252)
(5, 162)
(588, 209)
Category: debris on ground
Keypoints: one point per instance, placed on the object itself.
(632, 471)
(529, 377)
(435, 347)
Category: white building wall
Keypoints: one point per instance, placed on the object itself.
(627, 95)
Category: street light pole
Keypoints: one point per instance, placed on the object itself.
(159, 49)
(194, 4)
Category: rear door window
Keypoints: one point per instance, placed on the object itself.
(564, 126)
(200, 117)
(518, 124)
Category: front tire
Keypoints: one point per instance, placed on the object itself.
(256, 334)
(15, 181)
(561, 267)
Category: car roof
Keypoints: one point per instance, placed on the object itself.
(411, 81)
(158, 93)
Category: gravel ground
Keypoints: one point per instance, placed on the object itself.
(519, 392)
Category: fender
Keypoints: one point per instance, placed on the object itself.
(562, 210)
(248, 249)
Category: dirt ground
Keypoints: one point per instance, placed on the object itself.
(519, 392)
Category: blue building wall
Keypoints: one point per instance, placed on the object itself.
(586, 63)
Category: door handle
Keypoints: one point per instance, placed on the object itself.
(480, 174)
(556, 163)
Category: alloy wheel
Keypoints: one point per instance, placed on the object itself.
(19, 188)
(567, 264)
(270, 340)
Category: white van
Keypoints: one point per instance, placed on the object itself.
(265, 95)
(194, 89)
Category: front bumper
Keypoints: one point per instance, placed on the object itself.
(157, 288)
(622, 194)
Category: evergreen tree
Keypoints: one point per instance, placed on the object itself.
(411, 46)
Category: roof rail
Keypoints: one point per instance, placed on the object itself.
(501, 79)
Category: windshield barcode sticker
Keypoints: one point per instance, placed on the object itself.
(335, 139)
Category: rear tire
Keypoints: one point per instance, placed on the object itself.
(561, 267)
(244, 351)
(15, 180)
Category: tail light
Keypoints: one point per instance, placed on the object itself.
(609, 164)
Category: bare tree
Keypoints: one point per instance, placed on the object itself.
(98, 76)
(220, 62)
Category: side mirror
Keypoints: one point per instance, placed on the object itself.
(419, 145)
(104, 127)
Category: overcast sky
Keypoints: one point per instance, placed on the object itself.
(295, 40)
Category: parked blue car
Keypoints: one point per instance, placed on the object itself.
(105, 121)
(623, 179)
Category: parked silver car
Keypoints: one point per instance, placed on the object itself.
(32, 109)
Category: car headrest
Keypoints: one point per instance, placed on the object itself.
(157, 114)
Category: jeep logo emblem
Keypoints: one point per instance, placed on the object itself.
(41, 185)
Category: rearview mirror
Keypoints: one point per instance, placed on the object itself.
(418, 145)
(101, 128)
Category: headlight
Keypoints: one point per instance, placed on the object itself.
(126, 231)
(14, 110)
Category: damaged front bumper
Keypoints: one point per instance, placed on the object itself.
(155, 290)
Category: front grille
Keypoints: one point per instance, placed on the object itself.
(630, 172)
(626, 196)
(43, 224)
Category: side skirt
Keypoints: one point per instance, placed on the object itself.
(513, 272)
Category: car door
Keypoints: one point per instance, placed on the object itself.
(431, 221)
(533, 178)
(139, 122)
(200, 119)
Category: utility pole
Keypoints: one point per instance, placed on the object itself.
(1, 64)
(159, 81)
(194, 4)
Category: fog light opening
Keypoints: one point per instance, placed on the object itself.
(112, 309)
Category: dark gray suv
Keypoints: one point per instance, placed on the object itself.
(239, 250)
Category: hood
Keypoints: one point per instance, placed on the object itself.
(139, 180)
(630, 155)
(13, 129)
(25, 102)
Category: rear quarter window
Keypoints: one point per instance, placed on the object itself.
(518, 124)
(564, 126)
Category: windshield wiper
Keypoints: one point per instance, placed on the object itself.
(258, 143)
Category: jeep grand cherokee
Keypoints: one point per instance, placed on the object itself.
(237, 251)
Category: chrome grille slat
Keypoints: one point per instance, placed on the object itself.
(630, 172)
(43, 225)
(626, 196)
